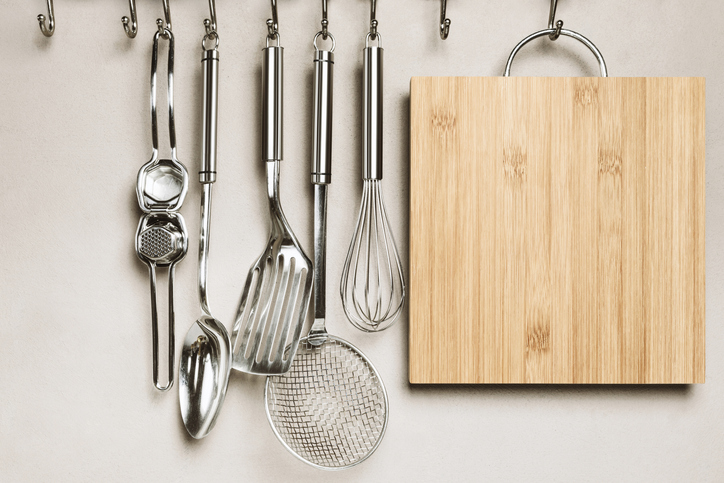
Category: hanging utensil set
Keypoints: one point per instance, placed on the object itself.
(325, 401)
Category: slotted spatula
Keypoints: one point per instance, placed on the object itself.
(278, 288)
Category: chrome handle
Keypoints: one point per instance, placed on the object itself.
(373, 113)
(272, 148)
(211, 102)
(323, 94)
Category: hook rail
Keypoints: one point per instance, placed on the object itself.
(210, 23)
(552, 24)
(325, 22)
(130, 25)
(444, 21)
(49, 29)
(373, 20)
(164, 26)
(273, 23)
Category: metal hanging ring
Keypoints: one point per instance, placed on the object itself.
(377, 37)
(49, 29)
(210, 36)
(277, 37)
(334, 42)
(567, 33)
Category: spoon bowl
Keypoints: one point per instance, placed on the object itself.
(204, 374)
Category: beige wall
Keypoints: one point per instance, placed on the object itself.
(76, 399)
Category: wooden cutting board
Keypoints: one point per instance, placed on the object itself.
(557, 230)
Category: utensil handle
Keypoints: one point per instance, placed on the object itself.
(272, 104)
(373, 100)
(322, 136)
(318, 332)
(154, 68)
(154, 328)
(210, 61)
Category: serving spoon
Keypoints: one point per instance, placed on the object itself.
(206, 353)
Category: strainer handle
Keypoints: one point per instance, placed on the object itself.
(567, 33)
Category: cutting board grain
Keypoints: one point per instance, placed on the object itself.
(557, 230)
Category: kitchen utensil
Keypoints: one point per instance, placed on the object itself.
(161, 238)
(373, 282)
(206, 355)
(276, 295)
(567, 217)
(330, 409)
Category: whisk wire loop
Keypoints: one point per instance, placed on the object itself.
(373, 285)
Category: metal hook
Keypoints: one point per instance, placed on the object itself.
(444, 22)
(273, 23)
(211, 24)
(552, 24)
(131, 30)
(50, 28)
(167, 15)
(373, 20)
(325, 22)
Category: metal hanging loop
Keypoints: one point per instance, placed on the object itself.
(49, 29)
(273, 23)
(568, 33)
(552, 24)
(553, 32)
(210, 24)
(325, 22)
(130, 25)
(444, 21)
(373, 20)
(163, 26)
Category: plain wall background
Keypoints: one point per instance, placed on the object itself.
(76, 398)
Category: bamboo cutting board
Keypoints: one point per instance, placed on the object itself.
(557, 230)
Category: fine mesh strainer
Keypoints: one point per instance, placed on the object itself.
(330, 409)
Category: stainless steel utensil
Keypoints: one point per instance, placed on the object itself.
(161, 238)
(206, 353)
(330, 409)
(373, 282)
(276, 296)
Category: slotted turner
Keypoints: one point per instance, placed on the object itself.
(278, 288)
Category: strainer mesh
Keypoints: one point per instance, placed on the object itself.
(330, 409)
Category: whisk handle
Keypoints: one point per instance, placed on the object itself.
(373, 97)
(272, 104)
